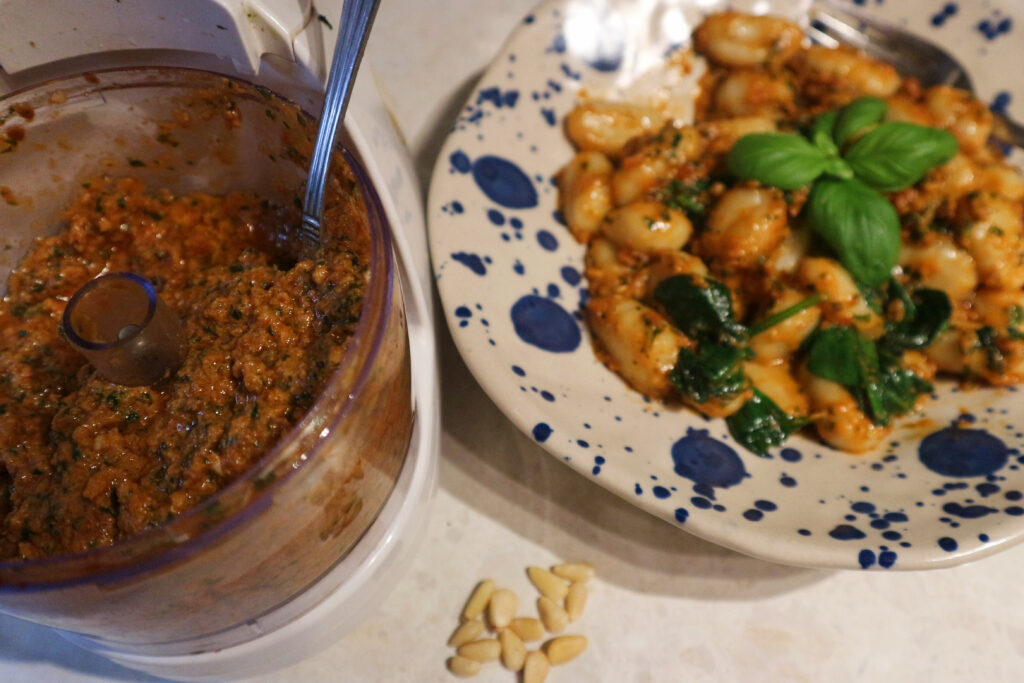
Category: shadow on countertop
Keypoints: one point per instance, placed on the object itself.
(26, 644)
(501, 473)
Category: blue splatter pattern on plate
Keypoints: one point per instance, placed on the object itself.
(947, 488)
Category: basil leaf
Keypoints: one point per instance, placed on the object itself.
(781, 160)
(897, 154)
(702, 313)
(712, 371)
(820, 132)
(925, 316)
(838, 168)
(860, 225)
(761, 424)
(859, 114)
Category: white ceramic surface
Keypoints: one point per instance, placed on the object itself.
(509, 275)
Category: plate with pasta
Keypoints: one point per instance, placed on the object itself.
(768, 290)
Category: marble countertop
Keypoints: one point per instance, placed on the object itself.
(666, 606)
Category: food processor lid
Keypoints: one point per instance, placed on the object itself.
(284, 45)
(39, 32)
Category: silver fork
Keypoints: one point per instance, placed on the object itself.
(914, 56)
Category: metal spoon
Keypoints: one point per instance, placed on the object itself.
(356, 19)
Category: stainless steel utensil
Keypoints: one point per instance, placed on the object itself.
(910, 54)
(356, 19)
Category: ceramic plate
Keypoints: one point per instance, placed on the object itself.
(946, 489)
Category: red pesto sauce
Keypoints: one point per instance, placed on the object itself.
(85, 462)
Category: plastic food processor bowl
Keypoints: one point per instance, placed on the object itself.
(202, 580)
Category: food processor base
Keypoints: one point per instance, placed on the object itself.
(335, 604)
(348, 593)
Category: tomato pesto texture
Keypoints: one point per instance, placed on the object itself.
(86, 462)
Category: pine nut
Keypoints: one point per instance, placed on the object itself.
(502, 607)
(574, 571)
(513, 652)
(575, 599)
(460, 666)
(547, 583)
(535, 668)
(486, 650)
(527, 628)
(551, 613)
(564, 648)
(467, 632)
(478, 600)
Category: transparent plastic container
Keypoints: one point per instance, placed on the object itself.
(209, 574)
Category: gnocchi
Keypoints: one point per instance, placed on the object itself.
(715, 290)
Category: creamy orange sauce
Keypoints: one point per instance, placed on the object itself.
(86, 462)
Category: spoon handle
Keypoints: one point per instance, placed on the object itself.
(356, 18)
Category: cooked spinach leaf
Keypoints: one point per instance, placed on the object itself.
(713, 371)
(987, 341)
(760, 424)
(882, 388)
(926, 315)
(701, 312)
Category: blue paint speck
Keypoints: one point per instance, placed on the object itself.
(546, 325)
(790, 455)
(681, 515)
(546, 240)
(571, 275)
(955, 452)
(541, 432)
(706, 461)
(967, 511)
(471, 261)
(845, 532)
(504, 183)
(460, 162)
(948, 544)
(866, 558)
(753, 515)
(661, 492)
(496, 217)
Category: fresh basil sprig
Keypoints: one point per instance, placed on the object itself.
(845, 206)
